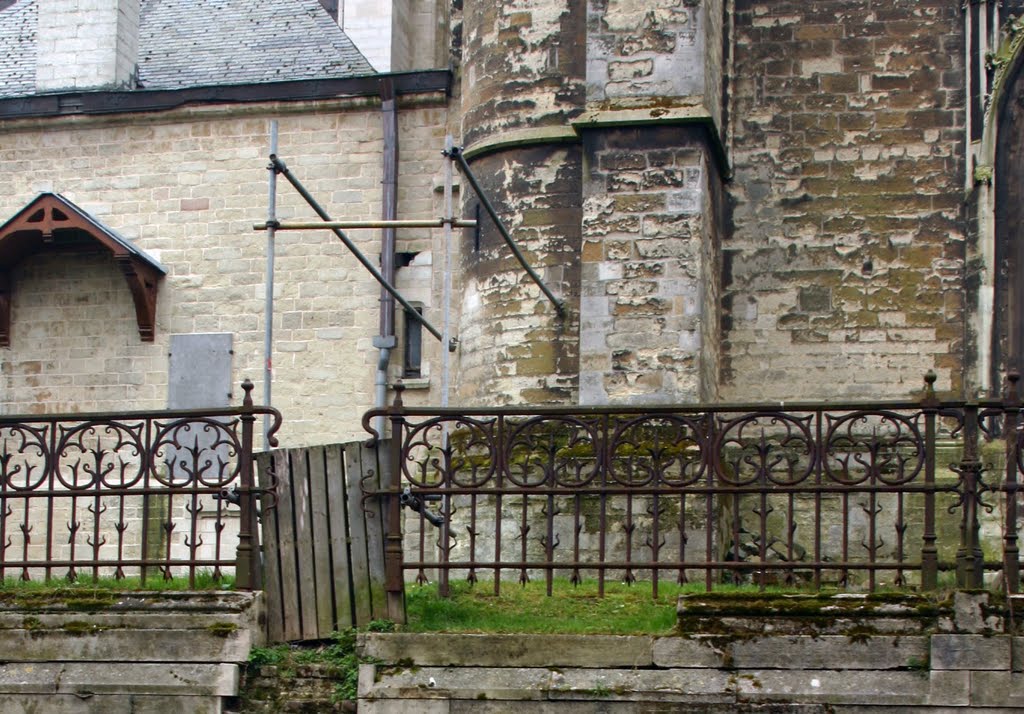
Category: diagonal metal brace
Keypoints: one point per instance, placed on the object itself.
(456, 153)
(282, 169)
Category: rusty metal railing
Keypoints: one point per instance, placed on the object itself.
(147, 494)
(855, 495)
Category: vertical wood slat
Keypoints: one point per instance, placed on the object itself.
(337, 523)
(375, 530)
(306, 572)
(271, 550)
(324, 554)
(291, 627)
(360, 575)
(323, 575)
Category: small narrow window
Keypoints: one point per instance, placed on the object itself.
(413, 359)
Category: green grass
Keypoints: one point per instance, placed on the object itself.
(624, 610)
(204, 581)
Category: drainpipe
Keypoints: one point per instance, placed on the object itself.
(385, 341)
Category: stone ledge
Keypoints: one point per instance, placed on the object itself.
(138, 645)
(430, 649)
(840, 652)
(107, 703)
(86, 679)
(690, 686)
(860, 688)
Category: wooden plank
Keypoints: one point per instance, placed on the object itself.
(376, 527)
(291, 626)
(362, 602)
(337, 522)
(323, 577)
(304, 543)
(271, 551)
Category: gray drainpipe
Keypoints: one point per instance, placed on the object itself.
(385, 341)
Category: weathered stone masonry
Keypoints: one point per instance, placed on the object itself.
(620, 209)
(843, 262)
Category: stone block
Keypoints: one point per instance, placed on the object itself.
(853, 687)
(877, 652)
(1018, 654)
(508, 650)
(84, 679)
(689, 652)
(969, 613)
(707, 686)
(996, 689)
(415, 683)
(85, 640)
(973, 652)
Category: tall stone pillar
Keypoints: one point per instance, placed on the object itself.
(522, 84)
(595, 125)
(652, 172)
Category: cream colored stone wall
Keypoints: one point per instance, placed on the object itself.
(186, 188)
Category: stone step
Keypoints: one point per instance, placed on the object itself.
(82, 679)
(421, 686)
(864, 651)
(84, 641)
(108, 704)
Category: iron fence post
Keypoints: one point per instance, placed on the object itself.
(394, 585)
(969, 559)
(247, 555)
(929, 551)
(1011, 553)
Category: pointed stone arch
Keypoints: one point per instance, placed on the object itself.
(51, 222)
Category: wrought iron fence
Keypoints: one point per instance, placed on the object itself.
(854, 495)
(148, 494)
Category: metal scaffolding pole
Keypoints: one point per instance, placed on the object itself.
(268, 328)
(456, 153)
(282, 169)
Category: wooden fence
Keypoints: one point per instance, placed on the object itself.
(323, 545)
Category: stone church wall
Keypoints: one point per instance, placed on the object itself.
(842, 271)
(187, 189)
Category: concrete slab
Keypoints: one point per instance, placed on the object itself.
(975, 652)
(992, 689)
(877, 652)
(668, 685)
(84, 679)
(854, 687)
(690, 652)
(508, 650)
(523, 683)
(89, 642)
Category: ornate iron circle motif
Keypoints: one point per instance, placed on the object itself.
(24, 458)
(660, 450)
(198, 451)
(873, 445)
(764, 447)
(107, 453)
(560, 450)
(453, 451)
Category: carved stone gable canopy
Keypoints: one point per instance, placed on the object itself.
(51, 222)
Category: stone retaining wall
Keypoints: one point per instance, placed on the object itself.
(66, 652)
(778, 654)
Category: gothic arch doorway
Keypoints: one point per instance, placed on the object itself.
(1008, 335)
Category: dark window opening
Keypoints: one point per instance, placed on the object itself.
(412, 362)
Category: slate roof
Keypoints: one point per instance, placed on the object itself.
(193, 43)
